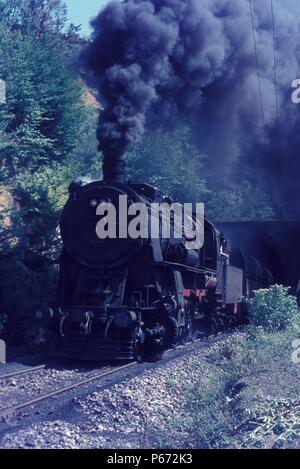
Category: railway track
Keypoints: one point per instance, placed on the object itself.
(5, 412)
(13, 409)
(23, 372)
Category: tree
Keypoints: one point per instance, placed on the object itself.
(36, 17)
(41, 125)
(245, 201)
(43, 112)
(170, 161)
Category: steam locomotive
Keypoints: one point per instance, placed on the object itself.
(124, 298)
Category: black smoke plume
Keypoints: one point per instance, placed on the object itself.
(156, 61)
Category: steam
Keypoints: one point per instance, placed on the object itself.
(156, 61)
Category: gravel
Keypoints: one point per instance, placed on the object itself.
(24, 387)
(136, 413)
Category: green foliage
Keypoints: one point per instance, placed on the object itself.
(274, 308)
(255, 352)
(42, 117)
(86, 159)
(208, 413)
(246, 202)
(22, 289)
(246, 396)
(42, 122)
(260, 366)
(171, 162)
(45, 120)
(38, 17)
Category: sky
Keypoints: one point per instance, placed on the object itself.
(81, 11)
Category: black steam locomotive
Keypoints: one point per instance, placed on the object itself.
(122, 298)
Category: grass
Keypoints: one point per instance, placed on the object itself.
(250, 398)
(247, 394)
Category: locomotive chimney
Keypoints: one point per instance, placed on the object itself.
(114, 164)
(114, 169)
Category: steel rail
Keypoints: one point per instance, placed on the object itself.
(23, 405)
(23, 372)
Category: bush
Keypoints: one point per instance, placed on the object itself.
(252, 383)
(22, 289)
(208, 419)
(274, 309)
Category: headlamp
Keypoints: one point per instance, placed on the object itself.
(93, 203)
